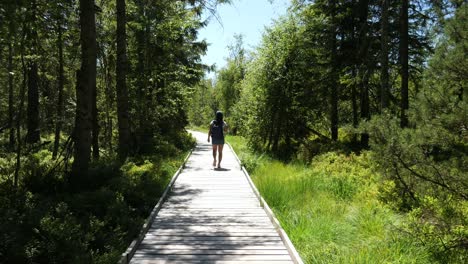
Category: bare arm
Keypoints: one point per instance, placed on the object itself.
(209, 133)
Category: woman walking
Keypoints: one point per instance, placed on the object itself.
(217, 129)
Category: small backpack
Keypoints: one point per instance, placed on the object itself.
(217, 130)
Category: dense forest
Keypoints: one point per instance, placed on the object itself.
(97, 95)
(92, 120)
(384, 78)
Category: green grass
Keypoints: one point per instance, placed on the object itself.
(330, 209)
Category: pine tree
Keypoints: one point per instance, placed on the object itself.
(86, 84)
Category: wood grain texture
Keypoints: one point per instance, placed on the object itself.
(211, 216)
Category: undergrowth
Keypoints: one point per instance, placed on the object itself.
(44, 220)
(330, 208)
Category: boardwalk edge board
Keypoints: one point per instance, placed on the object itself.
(284, 236)
(128, 254)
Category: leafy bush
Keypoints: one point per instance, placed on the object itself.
(330, 209)
(44, 220)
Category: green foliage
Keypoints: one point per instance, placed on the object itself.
(331, 210)
(274, 102)
(45, 221)
(202, 104)
(49, 218)
(426, 166)
(229, 80)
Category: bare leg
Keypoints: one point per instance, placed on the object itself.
(220, 154)
(214, 154)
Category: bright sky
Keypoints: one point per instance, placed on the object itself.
(246, 17)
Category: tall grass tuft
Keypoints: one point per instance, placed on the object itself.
(330, 208)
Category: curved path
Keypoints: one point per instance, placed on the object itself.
(211, 216)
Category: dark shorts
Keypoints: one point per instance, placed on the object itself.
(217, 141)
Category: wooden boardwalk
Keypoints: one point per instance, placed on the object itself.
(212, 216)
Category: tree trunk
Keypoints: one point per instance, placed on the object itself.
(84, 91)
(403, 50)
(384, 79)
(11, 143)
(95, 123)
(364, 68)
(33, 135)
(141, 85)
(32, 124)
(365, 113)
(334, 75)
(106, 72)
(61, 81)
(121, 75)
(354, 98)
(18, 119)
(354, 94)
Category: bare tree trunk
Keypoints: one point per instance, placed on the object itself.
(32, 124)
(10, 96)
(364, 66)
(334, 75)
(384, 79)
(403, 50)
(106, 72)
(141, 85)
(95, 123)
(354, 94)
(121, 75)
(354, 98)
(18, 119)
(84, 91)
(365, 113)
(61, 81)
(33, 134)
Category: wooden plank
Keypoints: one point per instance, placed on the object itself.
(213, 205)
(210, 192)
(139, 256)
(198, 228)
(211, 179)
(221, 211)
(199, 223)
(210, 187)
(209, 183)
(131, 249)
(211, 234)
(220, 196)
(214, 182)
(212, 216)
(214, 194)
(164, 261)
(277, 246)
(223, 195)
(211, 200)
(240, 211)
(218, 238)
(213, 251)
(208, 207)
(214, 245)
(213, 220)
